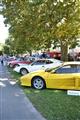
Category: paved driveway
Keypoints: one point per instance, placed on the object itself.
(14, 105)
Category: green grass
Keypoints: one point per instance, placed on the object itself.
(53, 104)
(14, 74)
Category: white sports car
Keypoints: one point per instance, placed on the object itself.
(37, 65)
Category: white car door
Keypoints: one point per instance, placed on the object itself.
(50, 64)
(37, 65)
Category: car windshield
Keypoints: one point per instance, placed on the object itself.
(65, 68)
(51, 69)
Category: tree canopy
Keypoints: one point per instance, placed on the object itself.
(36, 24)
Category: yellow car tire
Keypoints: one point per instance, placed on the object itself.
(38, 83)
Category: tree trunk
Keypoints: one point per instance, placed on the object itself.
(30, 52)
(64, 51)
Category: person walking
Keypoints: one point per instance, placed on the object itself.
(2, 59)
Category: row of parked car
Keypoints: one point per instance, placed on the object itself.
(48, 73)
(30, 64)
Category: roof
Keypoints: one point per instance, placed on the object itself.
(72, 63)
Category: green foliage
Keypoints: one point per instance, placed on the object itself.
(38, 23)
(1, 52)
(6, 49)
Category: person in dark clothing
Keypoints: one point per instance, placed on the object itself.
(2, 62)
(1, 59)
(44, 55)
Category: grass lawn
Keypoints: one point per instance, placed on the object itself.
(14, 74)
(53, 104)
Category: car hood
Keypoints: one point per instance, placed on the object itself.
(38, 71)
(34, 73)
(23, 64)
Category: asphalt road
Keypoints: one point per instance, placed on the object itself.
(14, 105)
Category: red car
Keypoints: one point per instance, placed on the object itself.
(15, 63)
(55, 54)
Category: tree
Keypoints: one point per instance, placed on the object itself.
(39, 23)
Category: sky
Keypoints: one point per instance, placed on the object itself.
(3, 30)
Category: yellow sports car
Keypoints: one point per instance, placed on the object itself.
(65, 76)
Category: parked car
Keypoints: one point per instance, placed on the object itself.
(26, 60)
(11, 62)
(65, 76)
(37, 65)
(54, 54)
(8, 58)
